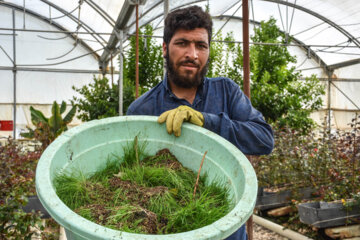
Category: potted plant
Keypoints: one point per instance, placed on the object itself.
(343, 182)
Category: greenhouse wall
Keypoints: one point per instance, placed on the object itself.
(40, 80)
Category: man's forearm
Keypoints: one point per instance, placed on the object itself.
(253, 137)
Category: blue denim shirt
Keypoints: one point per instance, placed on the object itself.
(226, 109)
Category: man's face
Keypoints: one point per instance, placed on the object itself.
(186, 56)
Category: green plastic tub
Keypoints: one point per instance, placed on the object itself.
(88, 146)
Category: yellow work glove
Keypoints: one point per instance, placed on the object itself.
(174, 119)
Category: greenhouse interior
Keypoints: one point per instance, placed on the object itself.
(89, 59)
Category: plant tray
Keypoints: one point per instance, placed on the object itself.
(269, 200)
(324, 214)
(35, 204)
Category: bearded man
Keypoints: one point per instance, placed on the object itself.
(185, 94)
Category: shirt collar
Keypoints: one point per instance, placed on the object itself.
(199, 91)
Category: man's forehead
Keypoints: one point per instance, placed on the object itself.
(194, 35)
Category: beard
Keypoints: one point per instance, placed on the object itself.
(184, 81)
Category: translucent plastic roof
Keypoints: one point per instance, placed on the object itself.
(330, 29)
(54, 44)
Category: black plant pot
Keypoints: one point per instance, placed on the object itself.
(270, 200)
(35, 204)
(323, 214)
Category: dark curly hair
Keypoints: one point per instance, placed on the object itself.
(186, 18)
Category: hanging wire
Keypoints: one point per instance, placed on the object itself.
(316, 34)
(157, 25)
(72, 49)
(253, 15)
(345, 95)
(79, 23)
(309, 29)
(287, 20)
(337, 45)
(340, 48)
(76, 35)
(50, 15)
(91, 40)
(69, 60)
(7, 54)
(50, 19)
(24, 14)
(64, 15)
(262, 43)
(101, 11)
(281, 18)
(303, 62)
(341, 53)
(349, 24)
(227, 20)
(292, 17)
(47, 38)
(236, 2)
(89, 30)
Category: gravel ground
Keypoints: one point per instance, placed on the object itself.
(261, 233)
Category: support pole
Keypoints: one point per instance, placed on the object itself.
(245, 15)
(166, 8)
(111, 69)
(14, 73)
(121, 75)
(166, 12)
(329, 103)
(137, 54)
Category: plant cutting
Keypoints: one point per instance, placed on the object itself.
(144, 194)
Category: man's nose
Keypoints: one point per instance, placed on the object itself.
(192, 52)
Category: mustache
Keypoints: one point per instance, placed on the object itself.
(189, 61)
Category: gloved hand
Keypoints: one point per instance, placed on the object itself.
(174, 119)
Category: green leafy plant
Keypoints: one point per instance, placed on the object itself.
(14, 222)
(329, 163)
(276, 88)
(150, 61)
(47, 129)
(17, 182)
(99, 99)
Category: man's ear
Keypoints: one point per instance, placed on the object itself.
(164, 47)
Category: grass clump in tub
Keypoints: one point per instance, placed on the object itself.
(144, 194)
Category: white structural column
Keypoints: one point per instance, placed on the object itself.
(121, 73)
(14, 72)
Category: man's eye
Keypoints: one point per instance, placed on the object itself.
(202, 46)
(180, 43)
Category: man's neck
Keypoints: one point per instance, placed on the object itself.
(183, 93)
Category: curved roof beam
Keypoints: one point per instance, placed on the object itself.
(124, 15)
(328, 21)
(121, 23)
(159, 15)
(304, 46)
(102, 13)
(344, 64)
(84, 25)
(36, 15)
